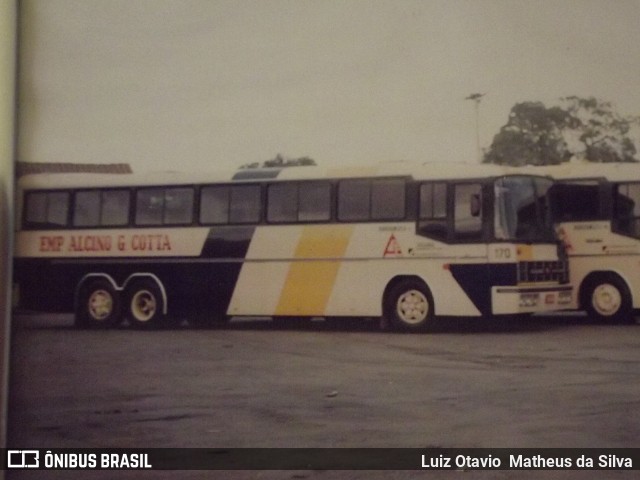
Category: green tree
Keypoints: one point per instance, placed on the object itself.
(603, 132)
(585, 128)
(532, 136)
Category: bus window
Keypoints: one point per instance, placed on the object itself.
(521, 209)
(314, 202)
(282, 202)
(627, 209)
(86, 209)
(101, 208)
(467, 211)
(214, 205)
(388, 199)
(433, 210)
(354, 200)
(578, 201)
(50, 208)
(178, 206)
(115, 208)
(158, 206)
(149, 204)
(245, 204)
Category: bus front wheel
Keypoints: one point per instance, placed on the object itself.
(98, 305)
(606, 297)
(408, 305)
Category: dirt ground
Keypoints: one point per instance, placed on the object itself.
(543, 382)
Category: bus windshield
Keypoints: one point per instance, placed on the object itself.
(522, 210)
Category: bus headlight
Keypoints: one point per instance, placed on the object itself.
(529, 299)
(564, 298)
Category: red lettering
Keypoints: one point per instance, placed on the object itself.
(51, 244)
(157, 242)
(166, 244)
(90, 243)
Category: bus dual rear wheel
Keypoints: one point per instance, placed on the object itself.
(145, 305)
(98, 305)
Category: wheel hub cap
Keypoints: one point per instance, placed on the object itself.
(413, 307)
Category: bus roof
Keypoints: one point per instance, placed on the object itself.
(418, 171)
(613, 172)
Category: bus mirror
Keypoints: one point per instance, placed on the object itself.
(475, 205)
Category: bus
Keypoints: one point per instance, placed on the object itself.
(597, 212)
(399, 242)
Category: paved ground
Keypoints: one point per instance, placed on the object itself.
(555, 382)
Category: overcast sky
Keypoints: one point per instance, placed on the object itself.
(205, 84)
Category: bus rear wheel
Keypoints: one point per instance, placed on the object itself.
(98, 305)
(145, 305)
(606, 297)
(408, 306)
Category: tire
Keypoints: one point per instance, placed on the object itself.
(408, 306)
(98, 305)
(145, 305)
(606, 298)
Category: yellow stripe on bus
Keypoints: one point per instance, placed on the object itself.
(313, 273)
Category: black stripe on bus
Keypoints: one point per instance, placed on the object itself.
(477, 280)
(228, 242)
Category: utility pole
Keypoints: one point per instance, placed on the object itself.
(476, 97)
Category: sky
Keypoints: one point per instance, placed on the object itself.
(214, 84)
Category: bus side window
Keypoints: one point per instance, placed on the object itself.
(627, 209)
(282, 202)
(433, 210)
(164, 206)
(86, 209)
(314, 202)
(245, 204)
(47, 209)
(388, 199)
(106, 208)
(178, 206)
(468, 211)
(149, 206)
(214, 205)
(115, 208)
(354, 200)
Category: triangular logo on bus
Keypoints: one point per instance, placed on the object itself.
(393, 247)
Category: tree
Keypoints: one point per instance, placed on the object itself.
(603, 132)
(279, 161)
(532, 136)
(579, 128)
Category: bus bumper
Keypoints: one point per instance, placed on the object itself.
(514, 300)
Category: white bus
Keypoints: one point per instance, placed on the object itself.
(597, 211)
(399, 242)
